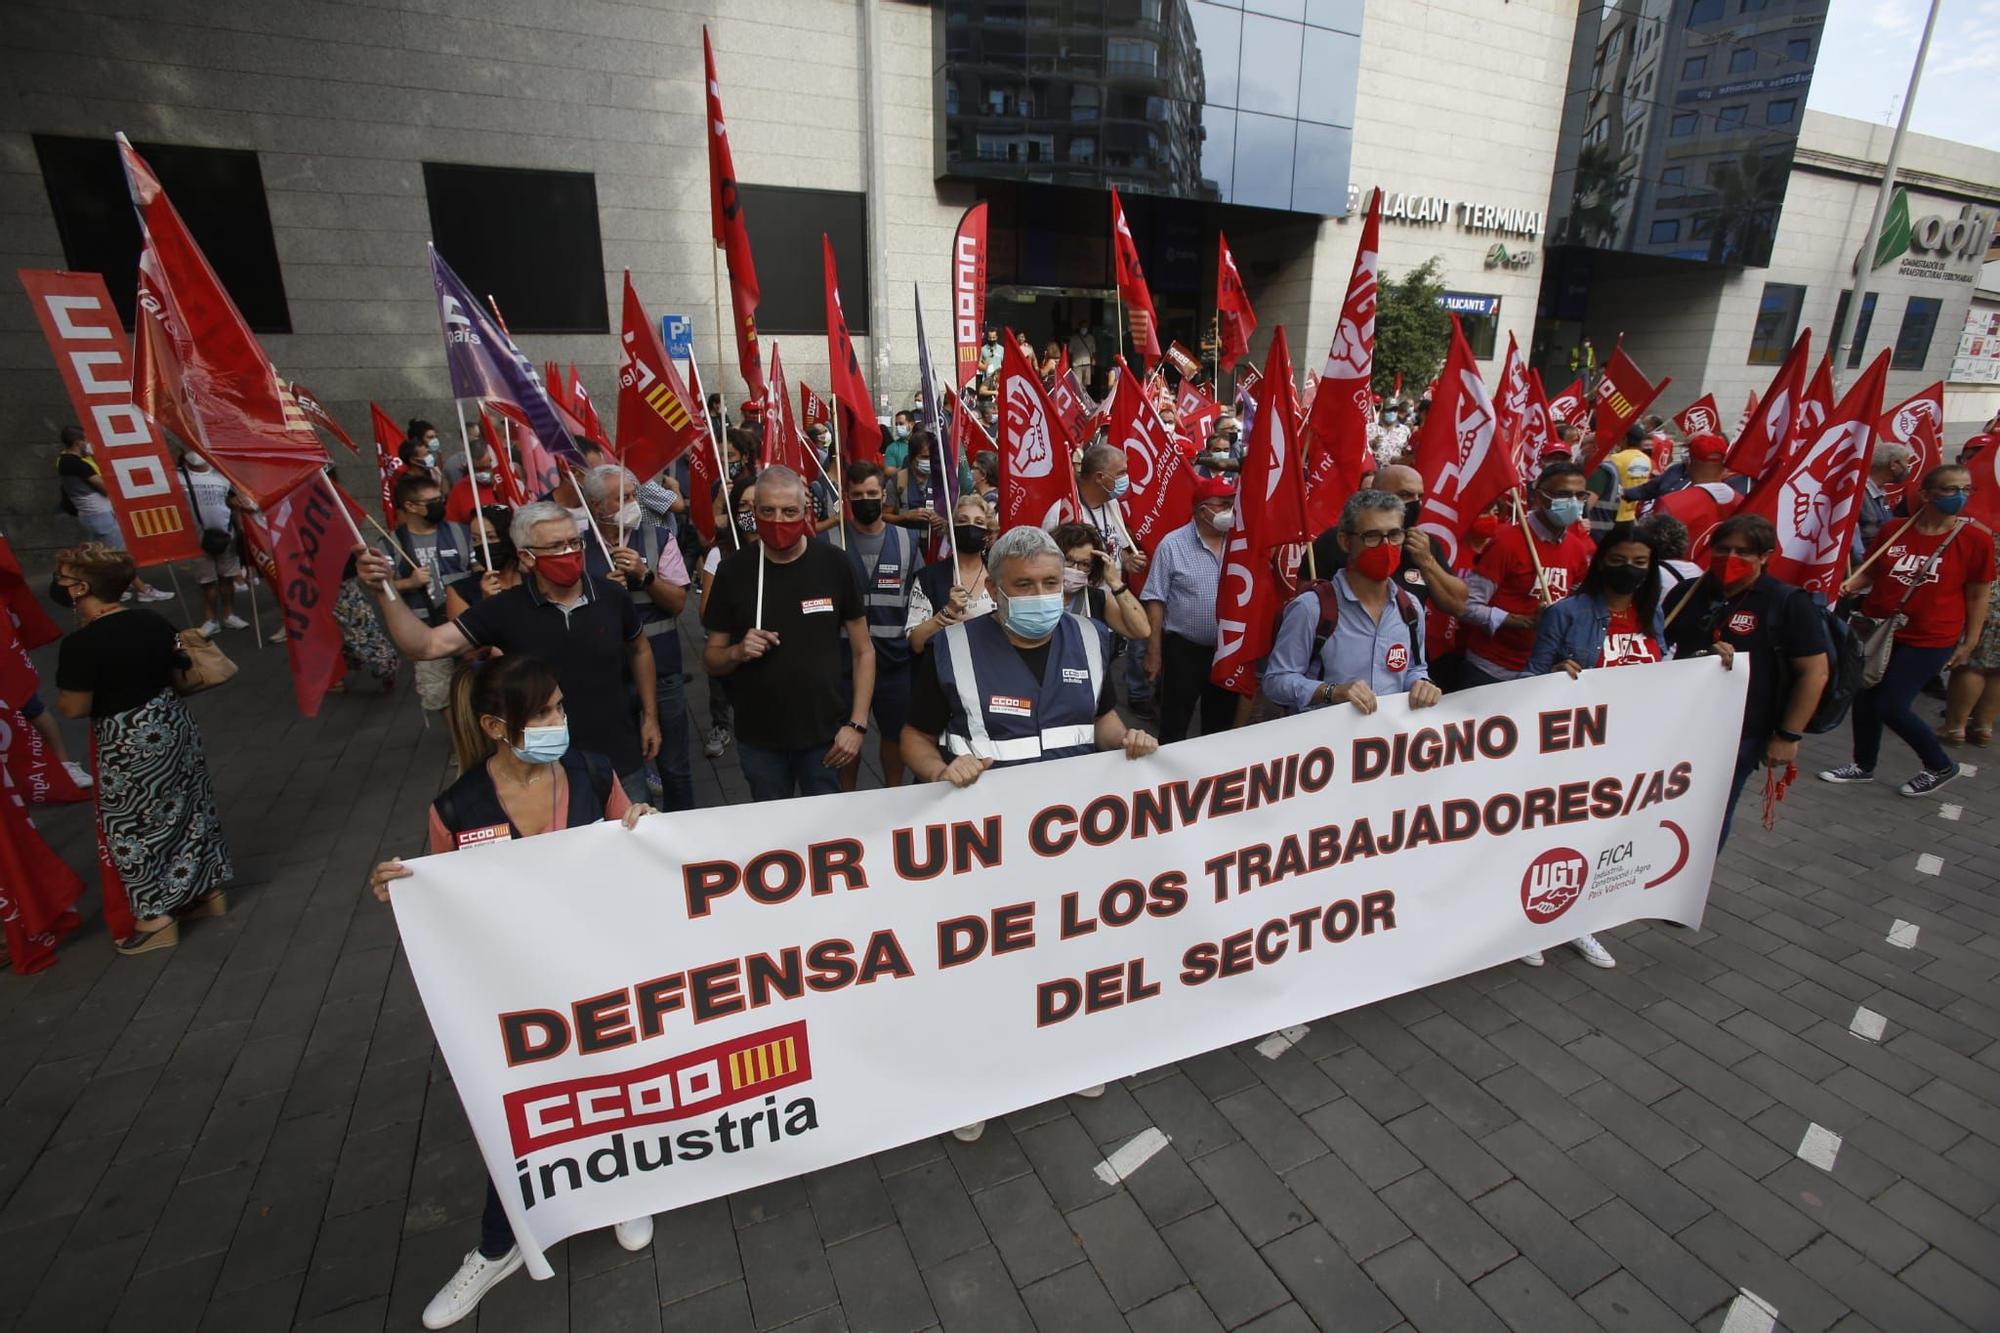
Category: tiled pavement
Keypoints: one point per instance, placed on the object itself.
(254, 1130)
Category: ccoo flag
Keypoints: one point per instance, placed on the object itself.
(732, 236)
(1132, 288)
(862, 439)
(484, 362)
(1235, 320)
(657, 422)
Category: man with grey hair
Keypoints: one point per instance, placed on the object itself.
(775, 616)
(1358, 635)
(645, 562)
(1888, 471)
(1101, 483)
(1021, 685)
(583, 627)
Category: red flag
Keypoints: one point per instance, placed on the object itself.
(38, 890)
(315, 412)
(305, 544)
(1622, 394)
(1809, 414)
(732, 237)
(1072, 404)
(32, 623)
(705, 483)
(1161, 497)
(33, 772)
(199, 368)
(968, 290)
(540, 471)
(585, 411)
(657, 421)
(1749, 410)
(1700, 417)
(1235, 320)
(812, 408)
(507, 488)
(140, 479)
(1538, 431)
(783, 445)
(1132, 287)
(1984, 503)
(1464, 462)
(1198, 413)
(1567, 406)
(1270, 512)
(1336, 435)
(388, 458)
(1699, 508)
(1511, 411)
(861, 440)
(1037, 483)
(1816, 499)
(1765, 441)
(1917, 422)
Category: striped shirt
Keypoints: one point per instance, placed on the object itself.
(1183, 576)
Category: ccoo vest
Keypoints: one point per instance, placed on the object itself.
(1000, 712)
(471, 812)
(885, 591)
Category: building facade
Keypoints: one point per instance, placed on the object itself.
(317, 146)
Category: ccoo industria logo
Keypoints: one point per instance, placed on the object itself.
(719, 1099)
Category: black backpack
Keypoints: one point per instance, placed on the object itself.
(1329, 616)
(1844, 662)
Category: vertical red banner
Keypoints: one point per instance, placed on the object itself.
(91, 351)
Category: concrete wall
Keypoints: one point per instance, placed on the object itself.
(343, 103)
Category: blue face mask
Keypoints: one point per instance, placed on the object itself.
(1948, 504)
(542, 745)
(1120, 486)
(1035, 617)
(1566, 511)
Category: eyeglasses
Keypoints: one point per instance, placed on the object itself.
(570, 547)
(1730, 550)
(1393, 536)
(1086, 565)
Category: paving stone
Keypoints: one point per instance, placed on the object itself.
(1031, 1235)
(1696, 1070)
(1130, 1255)
(785, 1268)
(1284, 1319)
(1550, 1112)
(1963, 1189)
(848, 1200)
(1066, 1159)
(1179, 1311)
(1652, 1256)
(1428, 1292)
(1548, 1171)
(1071, 1300)
(972, 1292)
(1464, 1102)
(1369, 1150)
(1466, 1051)
(1623, 1303)
(1568, 1258)
(1230, 1275)
(1870, 1292)
(1963, 1293)
(1165, 1189)
(994, 1158)
(716, 1308)
(878, 1283)
(624, 1297)
(1723, 1134)
(936, 1214)
(1270, 1128)
(1652, 1191)
(1445, 1149)
(1853, 1220)
(1360, 1221)
(1186, 1116)
(694, 1250)
(1735, 1255)
(1917, 1123)
(1251, 1193)
(1329, 1286)
(1452, 1230)
(1368, 1081)
(1745, 1201)
(1529, 1303)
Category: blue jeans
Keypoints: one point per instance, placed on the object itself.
(1749, 759)
(774, 775)
(672, 765)
(1887, 704)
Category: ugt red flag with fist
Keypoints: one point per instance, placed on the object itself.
(1336, 431)
(1917, 423)
(1459, 452)
(1235, 320)
(1037, 482)
(1700, 417)
(1270, 513)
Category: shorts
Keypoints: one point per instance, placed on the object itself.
(34, 708)
(103, 527)
(434, 683)
(891, 703)
(208, 568)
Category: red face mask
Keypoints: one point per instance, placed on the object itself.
(782, 534)
(1733, 569)
(1376, 562)
(562, 571)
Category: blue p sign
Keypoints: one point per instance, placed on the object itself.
(677, 333)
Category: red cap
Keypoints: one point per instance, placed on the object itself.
(1707, 446)
(1213, 488)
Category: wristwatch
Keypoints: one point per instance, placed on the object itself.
(861, 727)
(1783, 735)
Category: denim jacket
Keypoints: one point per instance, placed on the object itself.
(1573, 630)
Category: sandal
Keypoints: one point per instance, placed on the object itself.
(1951, 735)
(1981, 736)
(213, 903)
(145, 941)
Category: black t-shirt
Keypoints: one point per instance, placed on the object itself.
(122, 659)
(797, 694)
(930, 710)
(1328, 557)
(585, 645)
(1769, 623)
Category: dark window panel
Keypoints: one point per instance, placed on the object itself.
(1913, 339)
(219, 193)
(1777, 323)
(527, 238)
(785, 226)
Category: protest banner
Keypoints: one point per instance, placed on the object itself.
(768, 990)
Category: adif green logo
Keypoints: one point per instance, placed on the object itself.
(1933, 242)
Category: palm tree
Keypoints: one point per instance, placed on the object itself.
(1748, 193)
(1593, 216)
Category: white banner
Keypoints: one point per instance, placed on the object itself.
(638, 1020)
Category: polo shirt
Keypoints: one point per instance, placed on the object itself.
(1182, 577)
(585, 644)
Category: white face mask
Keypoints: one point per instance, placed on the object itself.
(1224, 522)
(628, 517)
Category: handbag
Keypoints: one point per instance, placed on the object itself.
(1878, 636)
(207, 665)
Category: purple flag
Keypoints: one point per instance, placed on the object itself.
(485, 364)
(944, 463)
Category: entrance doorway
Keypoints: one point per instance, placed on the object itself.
(1060, 315)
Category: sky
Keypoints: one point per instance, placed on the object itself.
(1864, 66)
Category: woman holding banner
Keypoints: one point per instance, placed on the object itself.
(155, 806)
(531, 782)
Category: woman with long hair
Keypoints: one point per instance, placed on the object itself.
(155, 805)
(955, 589)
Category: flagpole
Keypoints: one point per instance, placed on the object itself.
(757, 616)
(471, 476)
(1534, 554)
(389, 537)
(714, 444)
(715, 273)
(839, 491)
(589, 517)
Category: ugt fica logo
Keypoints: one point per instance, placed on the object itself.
(1553, 882)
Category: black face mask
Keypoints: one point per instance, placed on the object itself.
(746, 522)
(970, 538)
(735, 471)
(60, 594)
(866, 512)
(503, 553)
(1412, 511)
(434, 511)
(1626, 579)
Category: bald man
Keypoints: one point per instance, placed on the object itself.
(1421, 572)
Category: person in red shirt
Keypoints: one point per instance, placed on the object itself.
(1513, 582)
(1935, 572)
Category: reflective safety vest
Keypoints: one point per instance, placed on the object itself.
(471, 812)
(1000, 712)
(457, 550)
(655, 621)
(885, 591)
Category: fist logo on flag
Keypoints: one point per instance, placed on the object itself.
(1034, 455)
(1397, 657)
(1913, 416)
(1351, 354)
(1701, 421)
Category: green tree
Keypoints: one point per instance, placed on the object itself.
(1743, 221)
(1593, 217)
(1412, 331)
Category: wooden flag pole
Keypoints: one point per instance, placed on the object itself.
(757, 616)
(588, 516)
(340, 502)
(715, 443)
(1534, 554)
(390, 537)
(1876, 554)
(471, 477)
(839, 491)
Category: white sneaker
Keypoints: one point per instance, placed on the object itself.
(1095, 1090)
(156, 595)
(1532, 959)
(717, 742)
(275, 636)
(635, 1235)
(78, 773)
(1593, 953)
(475, 1277)
(234, 621)
(209, 628)
(969, 1133)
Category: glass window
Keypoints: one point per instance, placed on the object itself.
(1913, 340)
(1218, 33)
(1742, 60)
(1860, 333)
(1332, 61)
(1777, 323)
(785, 226)
(1083, 148)
(1732, 117)
(1674, 176)
(1704, 11)
(1751, 6)
(1781, 112)
(1083, 101)
(1271, 50)
(1264, 147)
(1798, 50)
(545, 266)
(1683, 124)
(1665, 231)
(1480, 333)
(219, 193)
(1694, 67)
